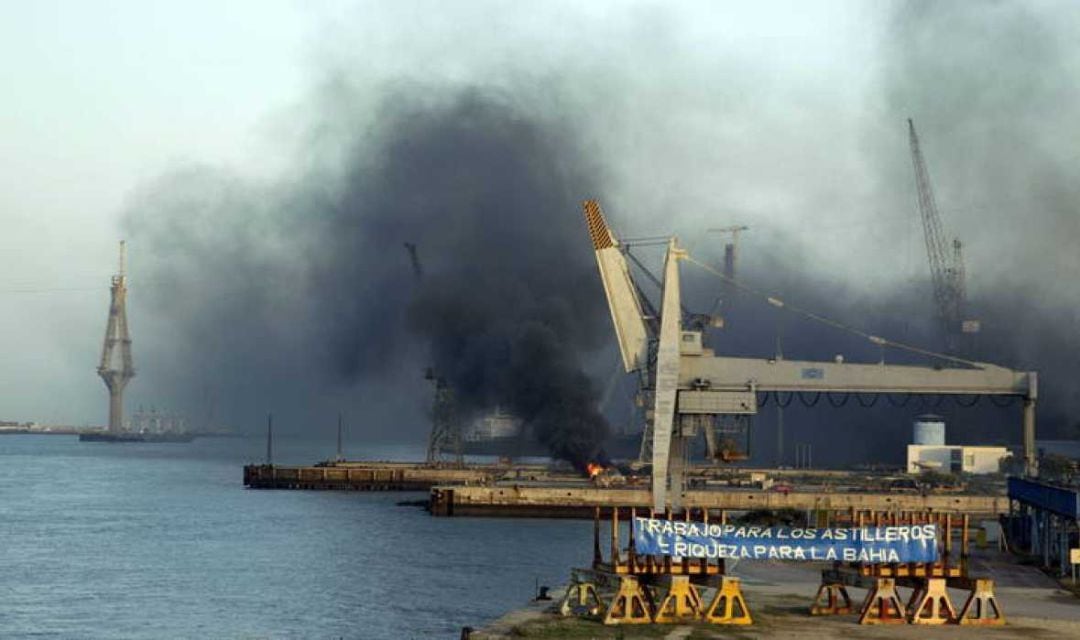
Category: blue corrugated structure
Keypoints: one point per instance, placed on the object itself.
(1063, 502)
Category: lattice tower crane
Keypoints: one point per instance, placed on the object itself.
(445, 436)
(946, 268)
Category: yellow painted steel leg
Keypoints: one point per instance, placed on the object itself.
(581, 599)
(631, 604)
(728, 605)
(931, 604)
(917, 595)
(832, 600)
(882, 605)
(981, 606)
(682, 602)
(866, 602)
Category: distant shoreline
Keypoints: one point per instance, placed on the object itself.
(75, 431)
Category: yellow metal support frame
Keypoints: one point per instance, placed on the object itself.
(683, 602)
(632, 604)
(832, 599)
(581, 599)
(729, 606)
(930, 603)
(981, 606)
(882, 604)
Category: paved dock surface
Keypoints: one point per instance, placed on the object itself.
(779, 596)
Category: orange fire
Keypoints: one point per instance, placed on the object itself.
(594, 469)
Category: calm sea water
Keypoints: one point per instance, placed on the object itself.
(102, 540)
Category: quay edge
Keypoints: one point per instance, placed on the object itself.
(581, 502)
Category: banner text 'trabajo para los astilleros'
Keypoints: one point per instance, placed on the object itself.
(898, 543)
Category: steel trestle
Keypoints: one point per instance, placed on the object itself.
(729, 606)
(631, 604)
(930, 603)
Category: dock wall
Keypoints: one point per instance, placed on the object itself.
(580, 502)
(361, 477)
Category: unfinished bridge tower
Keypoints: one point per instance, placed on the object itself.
(116, 367)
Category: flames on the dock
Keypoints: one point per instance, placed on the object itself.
(594, 469)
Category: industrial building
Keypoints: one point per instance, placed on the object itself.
(928, 451)
(955, 458)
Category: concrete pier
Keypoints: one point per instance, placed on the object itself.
(579, 501)
(379, 476)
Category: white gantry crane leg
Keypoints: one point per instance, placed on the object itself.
(668, 455)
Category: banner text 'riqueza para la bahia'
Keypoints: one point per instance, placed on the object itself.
(897, 543)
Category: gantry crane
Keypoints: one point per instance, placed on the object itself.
(946, 268)
(693, 385)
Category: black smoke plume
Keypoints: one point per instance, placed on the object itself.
(278, 297)
(509, 298)
(297, 293)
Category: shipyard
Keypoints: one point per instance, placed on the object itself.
(486, 320)
(879, 542)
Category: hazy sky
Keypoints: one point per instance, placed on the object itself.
(788, 116)
(100, 96)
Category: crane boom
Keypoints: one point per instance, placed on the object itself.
(414, 259)
(631, 329)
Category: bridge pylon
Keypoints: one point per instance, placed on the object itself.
(116, 367)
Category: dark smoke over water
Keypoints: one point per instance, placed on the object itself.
(275, 297)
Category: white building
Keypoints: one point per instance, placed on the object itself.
(493, 426)
(954, 459)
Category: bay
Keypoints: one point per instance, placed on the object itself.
(139, 540)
